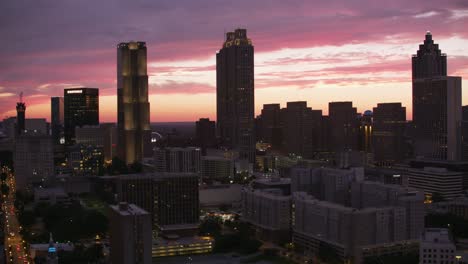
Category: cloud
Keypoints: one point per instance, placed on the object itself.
(459, 14)
(426, 14)
(181, 88)
(299, 44)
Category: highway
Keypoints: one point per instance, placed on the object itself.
(16, 252)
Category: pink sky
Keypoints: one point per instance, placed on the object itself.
(317, 51)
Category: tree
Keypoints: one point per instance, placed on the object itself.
(117, 166)
(327, 254)
(211, 226)
(6, 159)
(437, 197)
(136, 167)
(3, 176)
(95, 222)
(5, 189)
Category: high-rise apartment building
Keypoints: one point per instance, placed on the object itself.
(436, 105)
(235, 94)
(215, 168)
(130, 234)
(177, 202)
(33, 159)
(57, 118)
(81, 108)
(177, 159)
(343, 126)
(389, 121)
(133, 107)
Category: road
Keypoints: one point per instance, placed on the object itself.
(15, 248)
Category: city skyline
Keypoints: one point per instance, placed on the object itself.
(303, 52)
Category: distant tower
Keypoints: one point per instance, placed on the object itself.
(52, 257)
(81, 108)
(20, 114)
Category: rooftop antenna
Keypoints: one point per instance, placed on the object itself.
(21, 97)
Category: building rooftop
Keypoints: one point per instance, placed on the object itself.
(437, 235)
(126, 209)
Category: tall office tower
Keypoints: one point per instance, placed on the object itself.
(20, 115)
(33, 159)
(205, 133)
(270, 129)
(133, 108)
(437, 117)
(130, 234)
(81, 108)
(464, 133)
(436, 105)
(343, 126)
(57, 118)
(235, 94)
(429, 60)
(388, 133)
(177, 159)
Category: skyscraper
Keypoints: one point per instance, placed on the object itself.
(133, 128)
(205, 133)
(436, 105)
(300, 128)
(343, 126)
(20, 115)
(81, 108)
(429, 60)
(388, 133)
(235, 94)
(56, 118)
(270, 129)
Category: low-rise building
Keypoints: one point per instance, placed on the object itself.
(433, 180)
(176, 246)
(437, 246)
